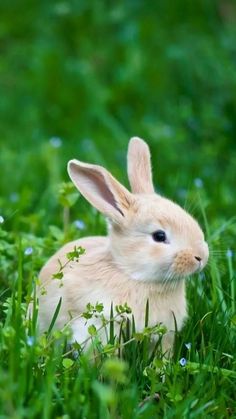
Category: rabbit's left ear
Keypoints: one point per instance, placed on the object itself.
(139, 167)
(101, 189)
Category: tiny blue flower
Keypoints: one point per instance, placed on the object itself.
(198, 182)
(188, 345)
(30, 340)
(183, 362)
(1, 219)
(55, 142)
(14, 197)
(229, 253)
(28, 251)
(79, 224)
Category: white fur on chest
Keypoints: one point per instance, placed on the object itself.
(168, 308)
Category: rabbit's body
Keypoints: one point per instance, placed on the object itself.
(152, 245)
(98, 279)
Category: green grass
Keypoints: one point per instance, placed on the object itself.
(93, 74)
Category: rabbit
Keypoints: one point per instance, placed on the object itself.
(151, 247)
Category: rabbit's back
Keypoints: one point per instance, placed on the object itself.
(79, 283)
(95, 248)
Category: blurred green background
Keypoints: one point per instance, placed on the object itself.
(79, 78)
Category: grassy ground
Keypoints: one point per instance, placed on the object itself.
(78, 79)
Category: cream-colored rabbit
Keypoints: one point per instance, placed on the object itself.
(152, 245)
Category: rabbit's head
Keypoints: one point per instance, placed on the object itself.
(151, 238)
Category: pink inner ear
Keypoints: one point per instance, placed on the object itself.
(97, 183)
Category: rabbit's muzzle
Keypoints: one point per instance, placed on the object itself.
(186, 262)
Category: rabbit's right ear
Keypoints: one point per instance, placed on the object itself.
(139, 167)
(101, 189)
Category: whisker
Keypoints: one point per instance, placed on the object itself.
(221, 269)
(216, 251)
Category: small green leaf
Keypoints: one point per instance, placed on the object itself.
(87, 315)
(67, 194)
(67, 363)
(90, 307)
(56, 233)
(92, 330)
(75, 253)
(139, 336)
(116, 370)
(109, 349)
(58, 275)
(99, 307)
(178, 397)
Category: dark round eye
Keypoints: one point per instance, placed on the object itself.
(159, 236)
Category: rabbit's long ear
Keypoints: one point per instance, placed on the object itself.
(101, 189)
(139, 167)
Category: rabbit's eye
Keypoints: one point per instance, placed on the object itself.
(159, 236)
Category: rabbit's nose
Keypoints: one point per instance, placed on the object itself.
(198, 258)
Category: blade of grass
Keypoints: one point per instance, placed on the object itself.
(55, 315)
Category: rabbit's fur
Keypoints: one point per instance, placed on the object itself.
(128, 265)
